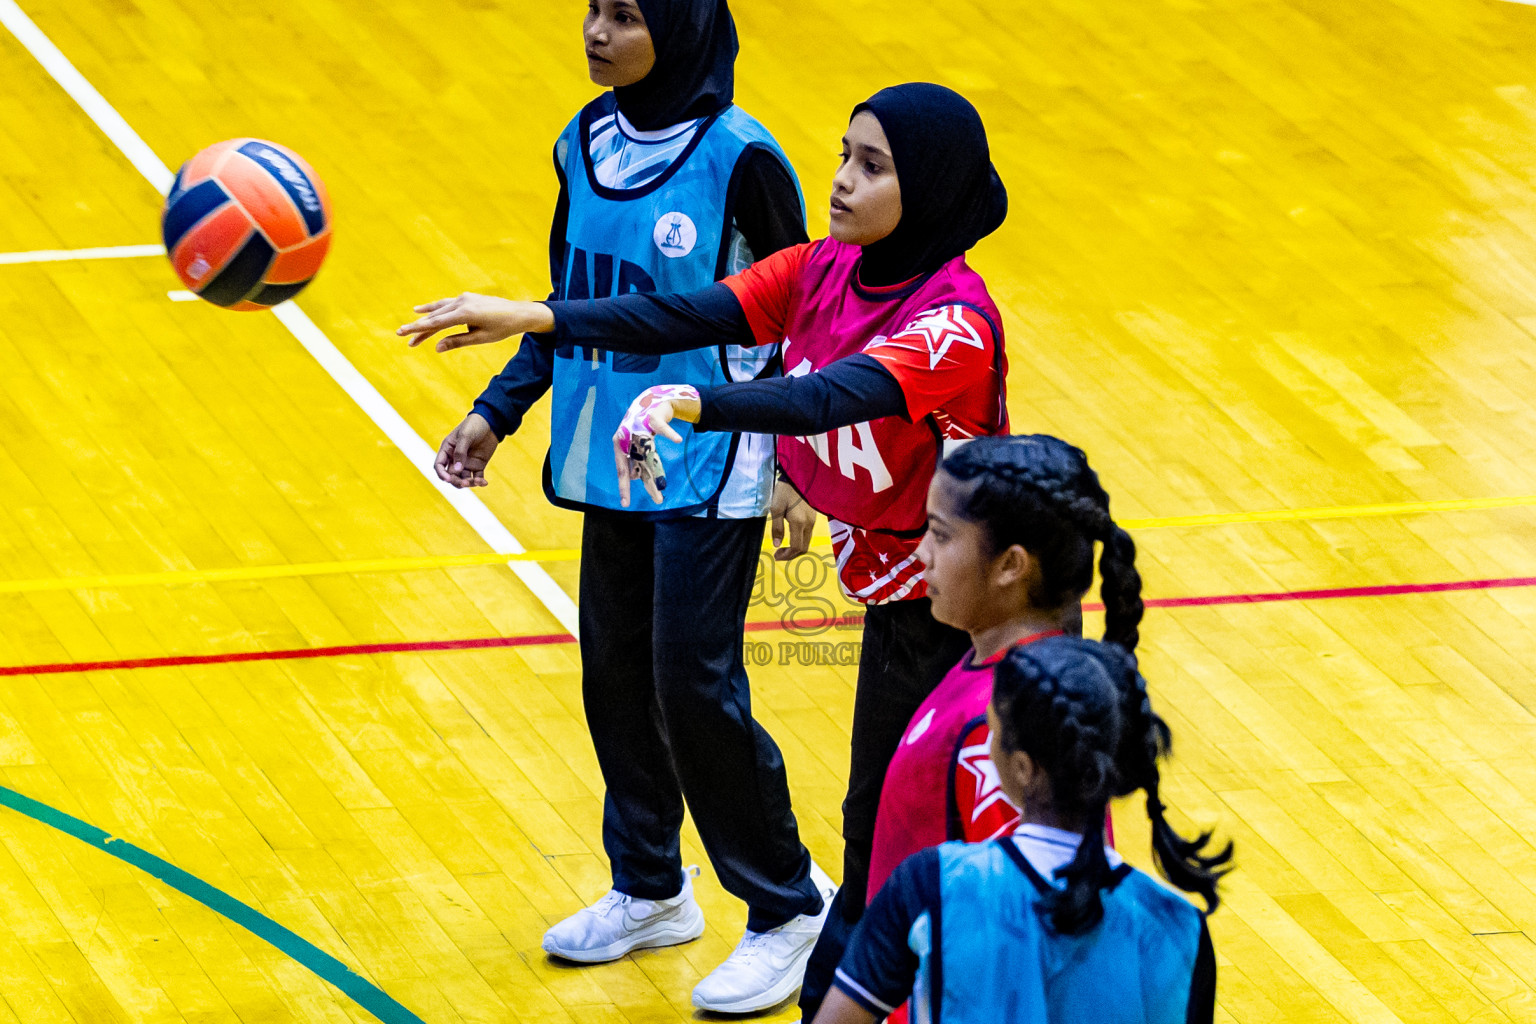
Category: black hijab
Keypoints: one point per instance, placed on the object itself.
(695, 72)
(951, 196)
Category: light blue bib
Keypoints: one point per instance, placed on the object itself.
(995, 957)
(669, 235)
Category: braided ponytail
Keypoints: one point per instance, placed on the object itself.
(1064, 711)
(1145, 741)
(1079, 907)
(1120, 585)
(1039, 492)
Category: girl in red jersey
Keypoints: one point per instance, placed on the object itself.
(1012, 523)
(893, 352)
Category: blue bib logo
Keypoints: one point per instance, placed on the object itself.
(675, 235)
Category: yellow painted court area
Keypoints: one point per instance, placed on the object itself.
(1272, 263)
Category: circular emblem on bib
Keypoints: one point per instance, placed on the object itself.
(675, 235)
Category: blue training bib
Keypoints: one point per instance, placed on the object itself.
(672, 234)
(996, 958)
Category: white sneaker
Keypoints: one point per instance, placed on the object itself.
(618, 924)
(766, 968)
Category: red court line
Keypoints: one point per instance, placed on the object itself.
(413, 647)
(486, 643)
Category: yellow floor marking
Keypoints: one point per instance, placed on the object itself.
(1287, 515)
(267, 572)
(385, 565)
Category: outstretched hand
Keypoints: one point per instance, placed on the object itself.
(634, 443)
(487, 318)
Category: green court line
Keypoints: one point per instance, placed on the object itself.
(319, 962)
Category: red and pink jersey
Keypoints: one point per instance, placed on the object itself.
(939, 337)
(941, 784)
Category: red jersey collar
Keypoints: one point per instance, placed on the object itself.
(1000, 655)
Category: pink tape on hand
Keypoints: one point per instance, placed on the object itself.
(635, 440)
(637, 420)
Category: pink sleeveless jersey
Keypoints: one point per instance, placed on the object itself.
(874, 475)
(918, 803)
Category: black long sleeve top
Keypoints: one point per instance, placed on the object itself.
(767, 213)
(854, 389)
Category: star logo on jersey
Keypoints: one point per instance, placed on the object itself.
(976, 759)
(940, 330)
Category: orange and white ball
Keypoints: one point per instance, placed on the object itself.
(247, 224)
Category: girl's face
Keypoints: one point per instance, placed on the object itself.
(619, 49)
(968, 583)
(866, 198)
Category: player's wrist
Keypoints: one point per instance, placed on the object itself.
(688, 408)
(499, 424)
(539, 317)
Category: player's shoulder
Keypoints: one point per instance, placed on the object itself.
(784, 266)
(600, 106)
(917, 879)
(1155, 899)
(961, 315)
(573, 137)
(969, 289)
(744, 126)
(953, 330)
(959, 270)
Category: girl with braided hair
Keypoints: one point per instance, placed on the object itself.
(1047, 924)
(1008, 556)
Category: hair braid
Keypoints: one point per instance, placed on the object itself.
(1145, 741)
(1120, 585)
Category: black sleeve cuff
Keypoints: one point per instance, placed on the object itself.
(499, 424)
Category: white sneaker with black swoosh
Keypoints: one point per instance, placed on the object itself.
(766, 968)
(618, 924)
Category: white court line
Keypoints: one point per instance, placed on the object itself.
(107, 252)
(367, 397)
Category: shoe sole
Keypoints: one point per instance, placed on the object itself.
(672, 934)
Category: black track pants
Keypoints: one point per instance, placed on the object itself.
(670, 711)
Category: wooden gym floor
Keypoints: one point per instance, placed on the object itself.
(1271, 262)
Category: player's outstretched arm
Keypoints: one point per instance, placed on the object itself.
(488, 319)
